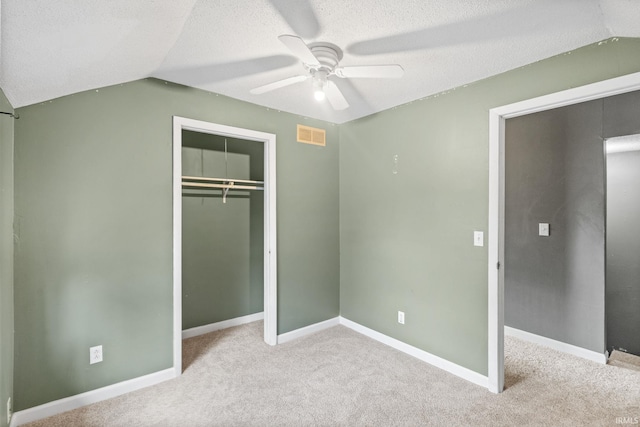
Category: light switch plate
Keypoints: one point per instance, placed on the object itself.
(478, 238)
(543, 229)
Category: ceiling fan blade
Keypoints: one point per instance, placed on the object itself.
(370, 71)
(217, 72)
(335, 96)
(277, 85)
(300, 17)
(298, 47)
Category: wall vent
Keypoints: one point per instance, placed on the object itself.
(309, 135)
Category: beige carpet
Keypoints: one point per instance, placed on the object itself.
(624, 360)
(339, 377)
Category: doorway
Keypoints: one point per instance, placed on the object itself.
(496, 229)
(268, 140)
(623, 244)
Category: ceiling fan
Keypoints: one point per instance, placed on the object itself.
(321, 61)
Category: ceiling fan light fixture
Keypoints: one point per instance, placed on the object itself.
(321, 60)
(319, 94)
(319, 84)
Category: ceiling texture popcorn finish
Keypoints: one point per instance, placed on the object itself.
(52, 49)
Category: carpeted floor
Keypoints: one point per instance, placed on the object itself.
(624, 360)
(339, 377)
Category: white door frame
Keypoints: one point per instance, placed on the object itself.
(270, 254)
(497, 117)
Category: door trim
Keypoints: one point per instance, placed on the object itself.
(497, 118)
(270, 234)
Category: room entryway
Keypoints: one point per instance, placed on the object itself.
(623, 245)
(496, 234)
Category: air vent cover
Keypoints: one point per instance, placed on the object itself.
(309, 135)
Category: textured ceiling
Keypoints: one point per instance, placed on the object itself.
(51, 49)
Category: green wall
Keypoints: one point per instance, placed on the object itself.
(6, 257)
(406, 237)
(222, 243)
(94, 229)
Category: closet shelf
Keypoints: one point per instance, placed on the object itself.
(225, 184)
(207, 179)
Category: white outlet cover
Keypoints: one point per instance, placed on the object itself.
(478, 238)
(95, 354)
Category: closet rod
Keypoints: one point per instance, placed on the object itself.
(202, 178)
(14, 115)
(231, 186)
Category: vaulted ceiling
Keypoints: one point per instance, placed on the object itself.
(55, 48)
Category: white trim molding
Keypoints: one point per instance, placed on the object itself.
(73, 402)
(556, 345)
(308, 330)
(431, 359)
(497, 118)
(224, 324)
(622, 144)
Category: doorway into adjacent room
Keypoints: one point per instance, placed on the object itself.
(623, 250)
(496, 234)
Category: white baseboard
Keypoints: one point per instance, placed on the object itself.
(89, 397)
(308, 330)
(556, 345)
(93, 396)
(205, 329)
(431, 359)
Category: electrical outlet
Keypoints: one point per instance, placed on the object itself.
(95, 354)
(9, 411)
(401, 317)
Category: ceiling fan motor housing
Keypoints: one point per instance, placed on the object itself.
(328, 55)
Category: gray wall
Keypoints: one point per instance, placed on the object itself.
(555, 173)
(6, 257)
(222, 243)
(621, 115)
(406, 238)
(93, 204)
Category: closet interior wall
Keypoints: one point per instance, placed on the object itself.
(222, 242)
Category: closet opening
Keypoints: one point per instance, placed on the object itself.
(224, 230)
